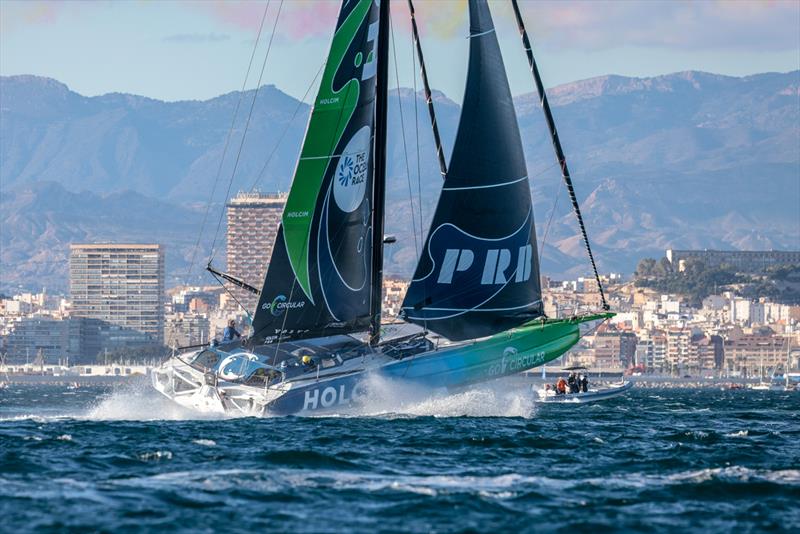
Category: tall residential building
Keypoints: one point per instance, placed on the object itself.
(253, 220)
(121, 286)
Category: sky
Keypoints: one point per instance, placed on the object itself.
(199, 49)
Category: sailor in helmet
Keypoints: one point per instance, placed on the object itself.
(308, 362)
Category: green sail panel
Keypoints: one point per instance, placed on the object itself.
(318, 278)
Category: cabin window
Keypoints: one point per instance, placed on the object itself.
(207, 359)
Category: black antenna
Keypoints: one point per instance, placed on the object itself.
(379, 187)
(427, 88)
(562, 160)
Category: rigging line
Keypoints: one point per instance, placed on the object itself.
(562, 160)
(428, 98)
(227, 142)
(222, 284)
(246, 126)
(283, 327)
(288, 124)
(403, 134)
(416, 138)
(549, 220)
(419, 163)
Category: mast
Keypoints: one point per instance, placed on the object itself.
(427, 88)
(379, 188)
(562, 160)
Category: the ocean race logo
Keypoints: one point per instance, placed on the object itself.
(280, 304)
(350, 178)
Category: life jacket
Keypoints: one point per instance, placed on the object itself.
(561, 385)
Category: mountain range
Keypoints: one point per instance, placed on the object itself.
(685, 160)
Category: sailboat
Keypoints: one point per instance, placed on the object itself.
(475, 296)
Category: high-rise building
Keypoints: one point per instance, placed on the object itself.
(253, 220)
(122, 287)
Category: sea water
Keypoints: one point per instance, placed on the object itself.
(121, 458)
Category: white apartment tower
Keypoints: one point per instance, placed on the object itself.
(121, 285)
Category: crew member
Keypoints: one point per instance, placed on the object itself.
(230, 333)
(585, 384)
(573, 383)
(561, 386)
(308, 363)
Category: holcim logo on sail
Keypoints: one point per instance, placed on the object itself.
(279, 305)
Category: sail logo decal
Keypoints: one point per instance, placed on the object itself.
(465, 273)
(461, 257)
(351, 172)
(513, 361)
(496, 262)
(279, 304)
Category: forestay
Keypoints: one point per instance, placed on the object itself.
(318, 280)
(479, 270)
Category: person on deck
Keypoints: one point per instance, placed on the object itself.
(561, 387)
(308, 363)
(230, 333)
(572, 381)
(585, 384)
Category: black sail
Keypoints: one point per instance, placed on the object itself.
(479, 270)
(319, 278)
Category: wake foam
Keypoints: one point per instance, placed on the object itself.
(138, 401)
(394, 398)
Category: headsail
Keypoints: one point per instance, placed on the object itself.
(479, 269)
(318, 280)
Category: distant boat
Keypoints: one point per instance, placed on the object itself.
(604, 393)
(547, 394)
(317, 327)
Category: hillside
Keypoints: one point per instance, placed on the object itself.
(686, 160)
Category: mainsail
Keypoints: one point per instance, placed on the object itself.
(479, 269)
(318, 280)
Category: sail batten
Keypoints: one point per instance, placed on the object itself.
(479, 270)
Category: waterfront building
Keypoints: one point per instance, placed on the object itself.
(185, 329)
(741, 260)
(44, 338)
(746, 353)
(253, 221)
(708, 351)
(607, 350)
(681, 354)
(122, 287)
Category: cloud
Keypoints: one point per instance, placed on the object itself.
(196, 38)
(16, 15)
(299, 19)
(753, 25)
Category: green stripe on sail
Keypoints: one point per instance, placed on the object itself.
(331, 115)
